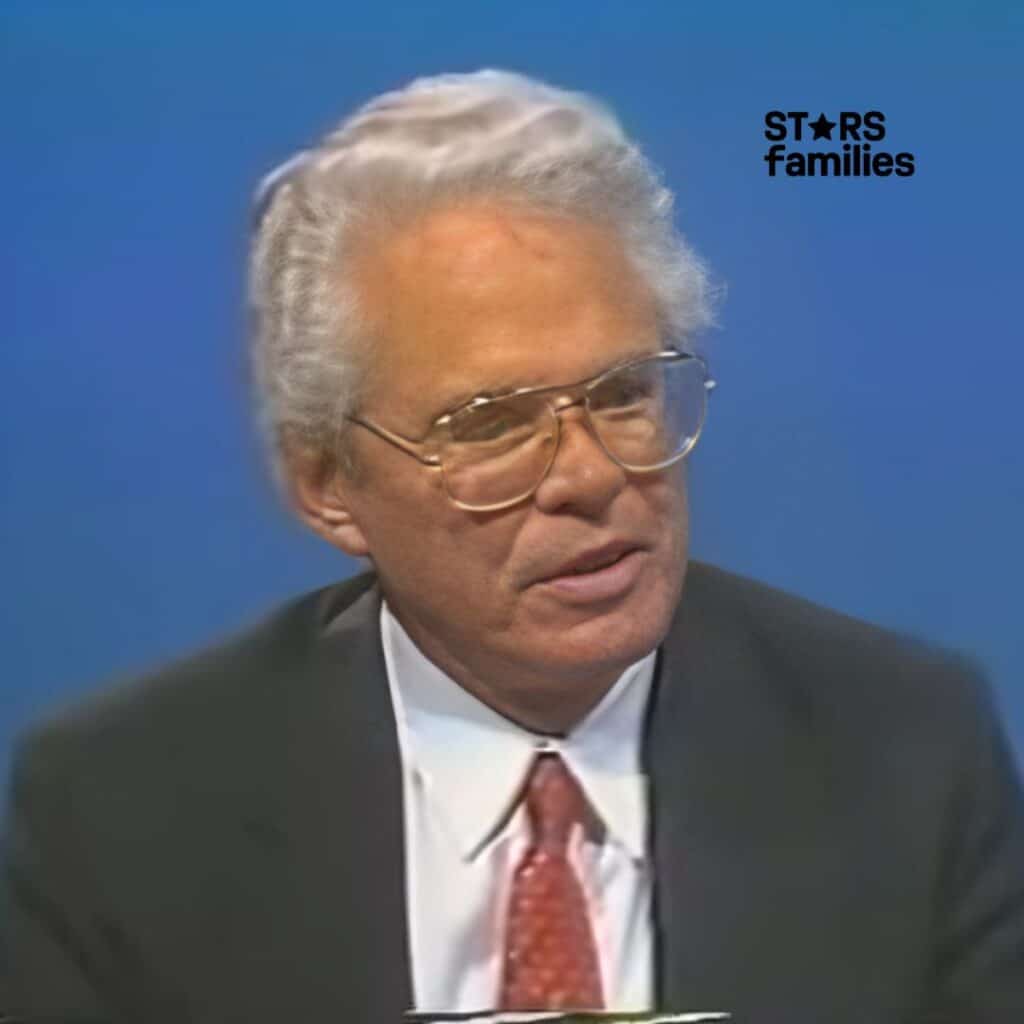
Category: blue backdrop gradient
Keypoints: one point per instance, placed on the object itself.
(864, 448)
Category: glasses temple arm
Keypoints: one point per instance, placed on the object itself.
(403, 444)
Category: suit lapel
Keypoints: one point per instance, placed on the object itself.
(741, 819)
(667, 742)
(336, 912)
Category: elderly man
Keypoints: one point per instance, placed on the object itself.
(520, 765)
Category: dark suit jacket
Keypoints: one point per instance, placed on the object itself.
(837, 831)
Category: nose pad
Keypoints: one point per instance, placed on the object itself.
(580, 421)
(565, 402)
(581, 472)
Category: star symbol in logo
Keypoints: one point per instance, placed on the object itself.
(822, 127)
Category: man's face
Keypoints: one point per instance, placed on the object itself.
(483, 299)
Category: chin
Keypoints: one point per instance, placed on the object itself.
(613, 639)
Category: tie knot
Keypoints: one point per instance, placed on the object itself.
(554, 801)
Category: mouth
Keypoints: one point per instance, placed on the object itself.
(600, 574)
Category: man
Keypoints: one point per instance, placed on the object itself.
(521, 764)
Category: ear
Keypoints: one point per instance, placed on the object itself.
(321, 496)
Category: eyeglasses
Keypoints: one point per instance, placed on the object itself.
(494, 452)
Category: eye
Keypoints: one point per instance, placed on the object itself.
(623, 391)
(495, 422)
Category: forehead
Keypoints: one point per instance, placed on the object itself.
(484, 297)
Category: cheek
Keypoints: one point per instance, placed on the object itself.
(664, 498)
(484, 551)
(418, 534)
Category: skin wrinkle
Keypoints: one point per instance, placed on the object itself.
(480, 297)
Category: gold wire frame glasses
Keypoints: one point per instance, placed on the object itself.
(495, 451)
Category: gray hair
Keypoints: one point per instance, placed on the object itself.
(441, 139)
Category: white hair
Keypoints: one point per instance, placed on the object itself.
(490, 134)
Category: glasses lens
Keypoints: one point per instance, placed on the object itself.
(650, 414)
(647, 416)
(498, 452)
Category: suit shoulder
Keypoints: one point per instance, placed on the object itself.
(768, 608)
(830, 656)
(249, 668)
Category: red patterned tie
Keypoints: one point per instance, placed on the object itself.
(550, 960)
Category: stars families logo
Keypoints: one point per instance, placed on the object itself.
(853, 157)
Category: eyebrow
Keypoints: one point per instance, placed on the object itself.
(464, 397)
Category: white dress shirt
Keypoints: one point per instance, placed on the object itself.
(463, 765)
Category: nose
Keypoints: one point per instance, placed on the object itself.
(582, 477)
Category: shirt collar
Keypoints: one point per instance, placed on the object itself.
(472, 761)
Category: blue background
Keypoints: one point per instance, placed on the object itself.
(864, 447)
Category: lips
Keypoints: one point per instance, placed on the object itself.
(591, 560)
(595, 578)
